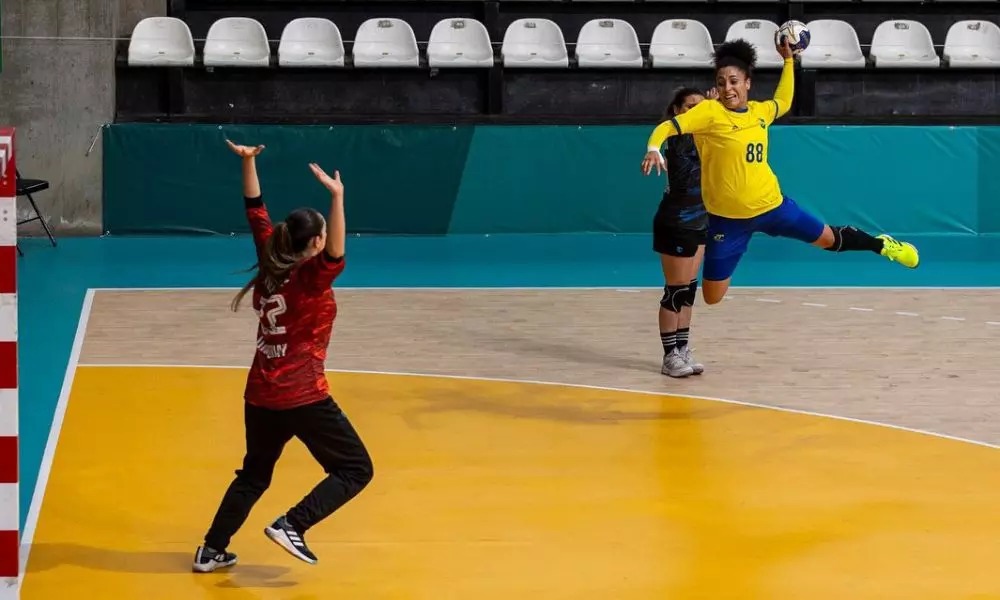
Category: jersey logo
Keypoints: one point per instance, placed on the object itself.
(762, 124)
(736, 127)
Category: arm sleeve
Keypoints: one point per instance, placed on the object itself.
(786, 90)
(695, 120)
(320, 271)
(260, 221)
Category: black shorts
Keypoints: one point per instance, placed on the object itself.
(677, 241)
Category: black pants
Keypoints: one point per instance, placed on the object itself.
(329, 437)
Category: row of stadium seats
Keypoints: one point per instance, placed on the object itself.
(534, 42)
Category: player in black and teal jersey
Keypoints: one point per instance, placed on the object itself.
(679, 235)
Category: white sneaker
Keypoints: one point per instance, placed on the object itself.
(696, 366)
(207, 560)
(674, 365)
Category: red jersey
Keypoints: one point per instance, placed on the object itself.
(294, 328)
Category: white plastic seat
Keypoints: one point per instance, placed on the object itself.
(834, 44)
(236, 42)
(311, 42)
(760, 33)
(608, 43)
(534, 43)
(387, 42)
(161, 42)
(459, 43)
(973, 44)
(681, 43)
(903, 43)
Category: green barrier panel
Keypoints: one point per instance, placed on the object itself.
(902, 180)
(556, 179)
(536, 179)
(177, 178)
(989, 179)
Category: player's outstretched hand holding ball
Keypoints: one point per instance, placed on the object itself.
(245, 151)
(792, 38)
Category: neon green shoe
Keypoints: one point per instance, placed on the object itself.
(903, 253)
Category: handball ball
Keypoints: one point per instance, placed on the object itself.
(796, 33)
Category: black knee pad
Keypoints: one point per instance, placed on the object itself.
(674, 297)
(692, 293)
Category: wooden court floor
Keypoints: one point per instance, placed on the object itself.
(491, 482)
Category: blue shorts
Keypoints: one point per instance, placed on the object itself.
(728, 238)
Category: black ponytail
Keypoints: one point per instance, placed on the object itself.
(673, 109)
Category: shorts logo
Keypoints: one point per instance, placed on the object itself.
(680, 249)
(719, 237)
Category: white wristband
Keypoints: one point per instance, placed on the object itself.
(653, 149)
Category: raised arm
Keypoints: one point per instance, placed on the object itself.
(336, 227)
(260, 221)
(321, 270)
(786, 84)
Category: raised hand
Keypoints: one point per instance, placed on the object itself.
(784, 48)
(333, 184)
(245, 151)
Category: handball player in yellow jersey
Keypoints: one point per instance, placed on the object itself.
(740, 191)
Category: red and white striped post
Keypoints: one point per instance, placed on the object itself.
(9, 514)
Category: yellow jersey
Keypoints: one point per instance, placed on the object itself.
(736, 180)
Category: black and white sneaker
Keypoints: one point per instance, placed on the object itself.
(208, 559)
(283, 534)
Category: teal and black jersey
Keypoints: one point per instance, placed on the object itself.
(682, 205)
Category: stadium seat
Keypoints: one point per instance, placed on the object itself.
(681, 43)
(459, 43)
(161, 42)
(834, 44)
(534, 43)
(311, 42)
(973, 44)
(385, 43)
(608, 43)
(237, 42)
(903, 43)
(760, 33)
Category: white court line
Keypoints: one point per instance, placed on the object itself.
(904, 313)
(953, 318)
(860, 309)
(814, 304)
(576, 385)
(768, 300)
(50, 446)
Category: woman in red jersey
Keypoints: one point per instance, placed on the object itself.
(286, 392)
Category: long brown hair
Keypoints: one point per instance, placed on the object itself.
(283, 251)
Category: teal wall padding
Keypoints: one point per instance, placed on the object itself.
(416, 179)
(176, 178)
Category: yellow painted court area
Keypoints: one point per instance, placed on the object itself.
(486, 490)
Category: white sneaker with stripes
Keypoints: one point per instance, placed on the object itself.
(283, 534)
(207, 560)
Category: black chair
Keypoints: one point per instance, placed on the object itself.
(27, 187)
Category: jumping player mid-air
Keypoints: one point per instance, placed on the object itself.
(679, 228)
(286, 393)
(740, 191)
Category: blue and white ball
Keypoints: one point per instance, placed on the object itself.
(796, 33)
